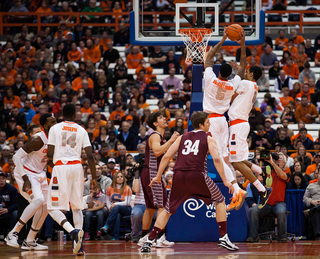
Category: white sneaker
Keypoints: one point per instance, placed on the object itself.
(224, 242)
(142, 240)
(33, 245)
(163, 242)
(12, 239)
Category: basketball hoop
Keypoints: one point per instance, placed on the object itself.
(196, 41)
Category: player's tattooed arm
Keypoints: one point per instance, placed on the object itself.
(213, 51)
(243, 57)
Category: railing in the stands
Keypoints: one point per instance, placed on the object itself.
(118, 19)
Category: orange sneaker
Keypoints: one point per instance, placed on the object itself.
(233, 203)
(241, 198)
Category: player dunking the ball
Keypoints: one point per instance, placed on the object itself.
(190, 179)
(31, 178)
(66, 140)
(241, 106)
(155, 196)
(218, 92)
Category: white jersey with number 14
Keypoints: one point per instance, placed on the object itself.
(68, 138)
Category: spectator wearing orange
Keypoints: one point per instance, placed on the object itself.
(291, 48)
(117, 114)
(281, 42)
(317, 59)
(19, 63)
(93, 53)
(30, 50)
(291, 69)
(11, 100)
(98, 121)
(297, 39)
(301, 57)
(285, 99)
(142, 101)
(133, 59)
(178, 115)
(26, 79)
(44, 8)
(254, 53)
(43, 108)
(161, 105)
(117, 11)
(92, 129)
(74, 54)
(105, 5)
(86, 109)
(9, 79)
(142, 80)
(301, 125)
(39, 82)
(104, 40)
(252, 62)
(77, 82)
(142, 65)
(8, 48)
(313, 167)
(306, 111)
(305, 90)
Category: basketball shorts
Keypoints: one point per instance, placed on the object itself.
(66, 185)
(39, 185)
(187, 184)
(219, 132)
(155, 196)
(238, 145)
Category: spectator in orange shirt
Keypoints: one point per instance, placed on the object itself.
(93, 53)
(133, 59)
(291, 69)
(254, 53)
(10, 78)
(38, 83)
(98, 121)
(291, 48)
(77, 83)
(74, 54)
(117, 11)
(281, 42)
(285, 99)
(306, 111)
(43, 108)
(30, 50)
(317, 59)
(86, 109)
(19, 63)
(117, 114)
(104, 40)
(305, 90)
(297, 39)
(11, 100)
(301, 57)
(45, 9)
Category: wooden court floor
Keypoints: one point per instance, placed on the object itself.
(121, 249)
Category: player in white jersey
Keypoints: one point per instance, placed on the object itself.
(218, 92)
(30, 161)
(65, 143)
(242, 103)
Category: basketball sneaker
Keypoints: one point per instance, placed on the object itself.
(142, 240)
(241, 198)
(163, 242)
(12, 239)
(33, 245)
(224, 242)
(264, 197)
(233, 203)
(76, 237)
(146, 248)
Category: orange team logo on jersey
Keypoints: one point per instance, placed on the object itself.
(67, 128)
(55, 180)
(222, 85)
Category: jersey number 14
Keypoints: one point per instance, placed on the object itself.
(190, 147)
(70, 141)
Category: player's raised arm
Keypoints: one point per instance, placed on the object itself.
(166, 159)
(243, 57)
(213, 51)
(158, 149)
(213, 150)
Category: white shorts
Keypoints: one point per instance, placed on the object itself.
(66, 185)
(39, 185)
(219, 132)
(238, 145)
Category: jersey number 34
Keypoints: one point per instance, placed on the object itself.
(190, 147)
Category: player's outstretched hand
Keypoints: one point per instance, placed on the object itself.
(26, 184)
(229, 185)
(93, 184)
(225, 34)
(242, 38)
(174, 136)
(155, 180)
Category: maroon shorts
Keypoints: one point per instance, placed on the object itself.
(155, 196)
(187, 184)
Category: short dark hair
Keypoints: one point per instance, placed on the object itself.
(259, 127)
(303, 129)
(43, 118)
(225, 70)
(104, 144)
(31, 128)
(257, 72)
(306, 64)
(304, 97)
(152, 118)
(69, 110)
(197, 118)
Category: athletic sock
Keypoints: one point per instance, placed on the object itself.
(222, 228)
(259, 186)
(59, 217)
(256, 168)
(144, 232)
(154, 233)
(236, 189)
(32, 235)
(19, 225)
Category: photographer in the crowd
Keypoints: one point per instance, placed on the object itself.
(280, 178)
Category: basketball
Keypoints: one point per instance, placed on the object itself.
(233, 31)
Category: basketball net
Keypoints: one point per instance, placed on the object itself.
(196, 41)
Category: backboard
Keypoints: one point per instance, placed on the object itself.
(148, 28)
